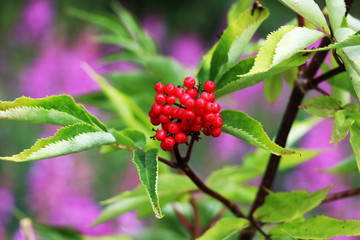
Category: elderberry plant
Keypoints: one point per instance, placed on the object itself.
(182, 114)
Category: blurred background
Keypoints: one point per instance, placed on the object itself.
(41, 49)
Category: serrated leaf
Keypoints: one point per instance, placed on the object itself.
(286, 207)
(341, 127)
(309, 10)
(130, 138)
(345, 166)
(273, 88)
(71, 139)
(293, 41)
(353, 111)
(59, 110)
(234, 40)
(320, 227)
(242, 126)
(323, 106)
(336, 11)
(170, 188)
(127, 110)
(263, 67)
(225, 228)
(355, 143)
(147, 166)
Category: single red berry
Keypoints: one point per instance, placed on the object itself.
(167, 109)
(189, 114)
(173, 128)
(160, 98)
(199, 111)
(184, 97)
(209, 107)
(169, 142)
(177, 113)
(155, 121)
(209, 86)
(206, 124)
(164, 126)
(215, 132)
(217, 122)
(198, 120)
(152, 114)
(196, 127)
(165, 147)
(157, 108)
(205, 96)
(181, 137)
(164, 118)
(160, 135)
(217, 108)
(189, 82)
(218, 115)
(170, 89)
(207, 131)
(189, 103)
(208, 117)
(192, 92)
(200, 103)
(179, 92)
(212, 97)
(171, 99)
(159, 87)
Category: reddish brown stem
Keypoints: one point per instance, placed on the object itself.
(342, 195)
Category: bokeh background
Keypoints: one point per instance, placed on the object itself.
(41, 49)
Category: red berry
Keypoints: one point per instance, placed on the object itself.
(205, 96)
(152, 114)
(155, 121)
(160, 135)
(198, 120)
(200, 103)
(157, 108)
(189, 82)
(184, 97)
(164, 126)
(167, 109)
(169, 142)
(159, 87)
(173, 128)
(215, 132)
(164, 118)
(209, 86)
(160, 98)
(209, 107)
(207, 131)
(171, 99)
(177, 113)
(212, 97)
(208, 117)
(170, 89)
(217, 108)
(181, 137)
(189, 114)
(189, 103)
(206, 124)
(218, 115)
(196, 127)
(199, 111)
(179, 92)
(192, 92)
(217, 122)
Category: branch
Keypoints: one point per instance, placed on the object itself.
(167, 162)
(341, 195)
(183, 219)
(197, 221)
(326, 76)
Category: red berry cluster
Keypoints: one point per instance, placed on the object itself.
(183, 113)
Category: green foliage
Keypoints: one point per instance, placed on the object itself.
(272, 88)
(345, 166)
(323, 106)
(310, 11)
(336, 11)
(286, 207)
(224, 228)
(320, 227)
(171, 187)
(342, 125)
(351, 41)
(242, 126)
(355, 143)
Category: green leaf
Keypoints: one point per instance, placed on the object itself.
(71, 139)
(234, 40)
(127, 110)
(355, 143)
(272, 59)
(242, 126)
(323, 106)
(353, 40)
(273, 88)
(345, 166)
(204, 70)
(309, 10)
(171, 187)
(147, 166)
(336, 11)
(342, 125)
(291, 75)
(237, 9)
(320, 227)
(353, 23)
(286, 207)
(55, 110)
(130, 138)
(112, 237)
(225, 228)
(353, 111)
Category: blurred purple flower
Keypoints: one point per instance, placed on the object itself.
(6, 204)
(35, 21)
(155, 26)
(188, 50)
(129, 224)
